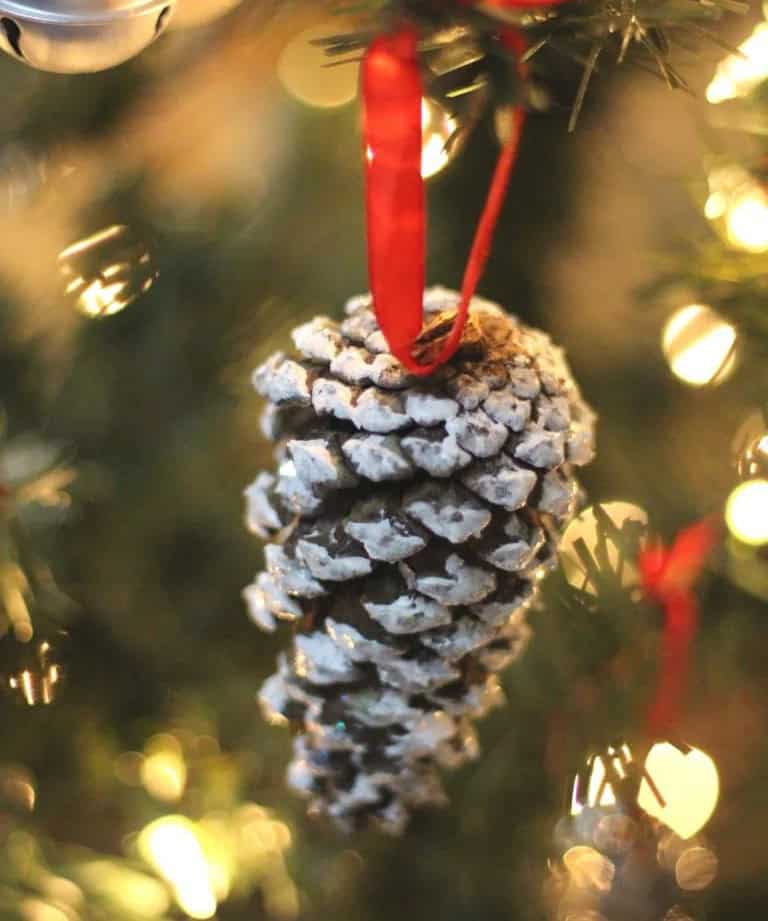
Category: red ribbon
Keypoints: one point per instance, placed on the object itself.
(395, 200)
(668, 576)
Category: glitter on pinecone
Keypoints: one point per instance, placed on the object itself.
(409, 522)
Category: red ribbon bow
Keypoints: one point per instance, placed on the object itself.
(668, 576)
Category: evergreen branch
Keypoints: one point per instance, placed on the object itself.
(636, 31)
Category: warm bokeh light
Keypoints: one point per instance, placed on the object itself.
(173, 847)
(17, 788)
(310, 76)
(126, 889)
(696, 869)
(586, 528)
(589, 869)
(594, 789)
(438, 136)
(13, 607)
(699, 345)
(36, 680)
(163, 771)
(38, 910)
(739, 201)
(747, 221)
(106, 271)
(683, 790)
(746, 512)
(739, 74)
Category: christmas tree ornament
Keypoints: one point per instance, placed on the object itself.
(80, 36)
(616, 857)
(106, 271)
(33, 673)
(409, 522)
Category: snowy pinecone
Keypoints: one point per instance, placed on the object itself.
(409, 521)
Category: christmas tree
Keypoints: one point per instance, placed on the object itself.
(172, 222)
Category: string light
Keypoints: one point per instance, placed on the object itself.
(305, 74)
(680, 787)
(129, 890)
(106, 271)
(586, 530)
(163, 771)
(746, 512)
(699, 345)
(597, 790)
(740, 202)
(747, 221)
(172, 845)
(741, 73)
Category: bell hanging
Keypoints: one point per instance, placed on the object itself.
(80, 36)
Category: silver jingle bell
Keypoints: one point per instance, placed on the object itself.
(80, 36)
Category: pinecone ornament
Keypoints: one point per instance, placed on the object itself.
(409, 521)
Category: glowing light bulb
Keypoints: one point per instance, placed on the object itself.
(163, 771)
(699, 345)
(307, 74)
(585, 528)
(741, 73)
(746, 512)
(683, 790)
(740, 202)
(106, 271)
(594, 789)
(173, 847)
(747, 221)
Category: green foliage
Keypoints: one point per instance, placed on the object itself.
(648, 34)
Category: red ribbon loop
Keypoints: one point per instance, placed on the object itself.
(668, 576)
(395, 199)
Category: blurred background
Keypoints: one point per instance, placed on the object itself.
(163, 225)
